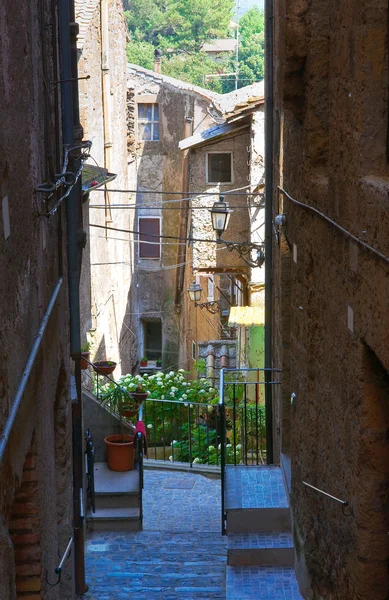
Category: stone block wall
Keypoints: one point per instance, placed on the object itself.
(330, 292)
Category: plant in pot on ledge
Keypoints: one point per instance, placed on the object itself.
(143, 361)
(85, 354)
(120, 447)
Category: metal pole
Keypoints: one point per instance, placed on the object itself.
(4, 437)
(269, 14)
(222, 447)
(70, 124)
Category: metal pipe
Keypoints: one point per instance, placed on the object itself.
(70, 126)
(64, 556)
(4, 437)
(344, 502)
(222, 448)
(269, 17)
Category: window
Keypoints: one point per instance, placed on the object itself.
(219, 167)
(148, 122)
(194, 350)
(211, 290)
(152, 340)
(149, 231)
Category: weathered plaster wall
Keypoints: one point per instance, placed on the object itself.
(331, 317)
(108, 260)
(210, 256)
(157, 167)
(29, 270)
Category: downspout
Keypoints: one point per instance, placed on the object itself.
(70, 129)
(269, 84)
(184, 215)
(106, 90)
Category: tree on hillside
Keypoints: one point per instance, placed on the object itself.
(179, 24)
(251, 50)
(193, 68)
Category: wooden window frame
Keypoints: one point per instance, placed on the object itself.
(152, 122)
(207, 167)
(149, 218)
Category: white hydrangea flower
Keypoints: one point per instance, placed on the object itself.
(172, 394)
(202, 392)
(196, 460)
(162, 397)
(184, 396)
(211, 389)
(171, 458)
(149, 426)
(238, 446)
(229, 446)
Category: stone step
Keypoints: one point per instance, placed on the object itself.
(264, 583)
(117, 500)
(114, 519)
(112, 482)
(251, 520)
(262, 548)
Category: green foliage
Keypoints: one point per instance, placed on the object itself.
(140, 53)
(193, 68)
(85, 347)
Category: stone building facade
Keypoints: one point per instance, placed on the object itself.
(238, 142)
(331, 318)
(36, 469)
(161, 111)
(108, 261)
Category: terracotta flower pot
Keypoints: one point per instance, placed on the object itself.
(143, 363)
(104, 367)
(139, 396)
(84, 363)
(120, 452)
(130, 414)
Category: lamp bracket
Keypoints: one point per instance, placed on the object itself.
(212, 307)
(244, 250)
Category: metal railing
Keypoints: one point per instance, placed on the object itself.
(179, 431)
(243, 420)
(90, 469)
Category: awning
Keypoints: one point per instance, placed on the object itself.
(246, 316)
(94, 177)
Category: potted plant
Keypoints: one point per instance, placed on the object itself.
(158, 362)
(137, 390)
(120, 447)
(104, 367)
(85, 354)
(143, 361)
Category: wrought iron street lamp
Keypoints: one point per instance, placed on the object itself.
(194, 292)
(220, 213)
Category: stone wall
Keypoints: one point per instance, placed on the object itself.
(331, 318)
(30, 267)
(155, 167)
(109, 256)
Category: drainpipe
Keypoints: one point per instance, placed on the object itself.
(269, 18)
(106, 90)
(70, 129)
(184, 214)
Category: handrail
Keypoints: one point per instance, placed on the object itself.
(4, 437)
(222, 449)
(58, 569)
(344, 503)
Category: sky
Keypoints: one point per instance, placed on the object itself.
(244, 5)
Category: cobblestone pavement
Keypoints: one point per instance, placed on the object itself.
(180, 554)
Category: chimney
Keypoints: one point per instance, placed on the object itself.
(157, 60)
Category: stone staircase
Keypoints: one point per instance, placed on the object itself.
(117, 499)
(260, 553)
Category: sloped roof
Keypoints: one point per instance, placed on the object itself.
(177, 83)
(241, 98)
(84, 11)
(209, 134)
(246, 316)
(94, 177)
(220, 45)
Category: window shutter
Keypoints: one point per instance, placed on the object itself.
(148, 229)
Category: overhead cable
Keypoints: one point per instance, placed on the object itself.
(335, 224)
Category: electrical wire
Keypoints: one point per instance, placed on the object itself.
(161, 207)
(335, 224)
(233, 192)
(131, 241)
(169, 237)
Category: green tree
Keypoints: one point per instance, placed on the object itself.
(193, 68)
(141, 53)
